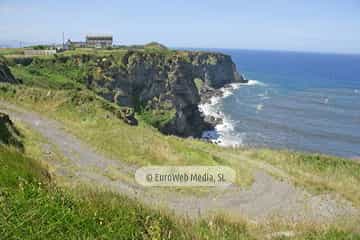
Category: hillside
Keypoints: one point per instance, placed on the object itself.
(158, 84)
(88, 142)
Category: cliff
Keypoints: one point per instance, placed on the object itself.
(163, 86)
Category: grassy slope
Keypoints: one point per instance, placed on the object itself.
(89, 121)
(31, 207)
(144, 145)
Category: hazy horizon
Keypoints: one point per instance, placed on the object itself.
(278, 25)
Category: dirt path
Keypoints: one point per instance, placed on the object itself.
(266, 198)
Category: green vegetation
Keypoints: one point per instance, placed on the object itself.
(158, 118)
(93, 68)
(52, 71)
(88, 119)
(317, 172)
(72, 69)
(33, 207)
(198, 83)
(11, 51)
(84, 115)
(41, 47)
(32, 77)
(155, 45)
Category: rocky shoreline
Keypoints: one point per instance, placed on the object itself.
(207, 94)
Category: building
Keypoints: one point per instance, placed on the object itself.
(73, 44)
(100, 41)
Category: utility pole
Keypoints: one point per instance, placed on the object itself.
(63, 42)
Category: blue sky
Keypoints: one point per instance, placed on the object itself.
(300, 25)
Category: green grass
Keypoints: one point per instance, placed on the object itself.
(72, 69)
(11, 51)
(31, 207)
(27, 196)
(198, 83)
(157, 118)
(41, 79)
(317, 172)
(144, 145)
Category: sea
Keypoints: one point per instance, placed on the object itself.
(307, 102)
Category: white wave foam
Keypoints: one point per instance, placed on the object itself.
(235, 85)
(223, 134)
(259, 107)
(264, 96)
(252, 82)
(227, 92)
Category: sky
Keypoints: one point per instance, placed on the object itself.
(295, 25)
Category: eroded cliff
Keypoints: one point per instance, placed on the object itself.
(163, 87)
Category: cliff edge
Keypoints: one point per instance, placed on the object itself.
(165, 89)
(163, 86)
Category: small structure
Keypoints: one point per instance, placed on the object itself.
(100, 41)
(70, 43)
(32, 52)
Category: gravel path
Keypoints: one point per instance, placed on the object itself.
(266, 199)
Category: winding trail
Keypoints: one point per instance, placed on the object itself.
(266, 199)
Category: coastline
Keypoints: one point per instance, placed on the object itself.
(223, 125)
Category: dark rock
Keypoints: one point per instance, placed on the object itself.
(213, 120)
(9, 135)
(5, 73)
(215, 69)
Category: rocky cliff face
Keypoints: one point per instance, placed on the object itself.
(164, 86)
(5, 74)
(215, 69)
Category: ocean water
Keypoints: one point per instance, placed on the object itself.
(301, 101)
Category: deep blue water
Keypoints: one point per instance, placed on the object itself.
(308, 102)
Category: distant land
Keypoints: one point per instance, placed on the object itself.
(17, 43)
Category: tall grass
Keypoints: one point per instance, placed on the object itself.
(141, 145)
(32, 207)
(144, 145)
